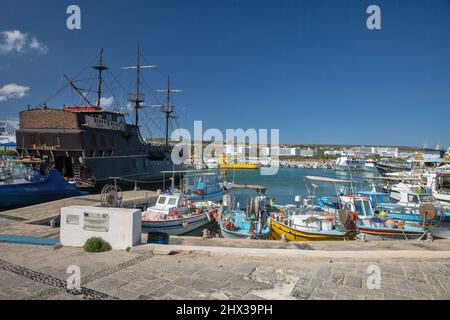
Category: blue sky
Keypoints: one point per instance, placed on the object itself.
(310, 68)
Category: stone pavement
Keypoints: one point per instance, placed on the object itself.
(30, 272)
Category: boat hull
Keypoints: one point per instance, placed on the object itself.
(396, 234)
(54, 187)
(244, 235)
(176, 226)
(444, 199)
(278, 229)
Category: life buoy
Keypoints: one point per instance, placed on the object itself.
(172, 213)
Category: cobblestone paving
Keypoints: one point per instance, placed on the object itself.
(40, 273)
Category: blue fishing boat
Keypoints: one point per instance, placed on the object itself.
(236, 224)
(414, 209)
(200, 186)
(197, 185)
(36, 187)
(251, 223)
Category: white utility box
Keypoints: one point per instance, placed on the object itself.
(120, 227)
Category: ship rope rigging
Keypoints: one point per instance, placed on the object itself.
(84, 90)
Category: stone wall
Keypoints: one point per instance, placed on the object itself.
(48, 119)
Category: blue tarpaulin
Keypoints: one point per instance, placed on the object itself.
(10, 238)
(8, 144)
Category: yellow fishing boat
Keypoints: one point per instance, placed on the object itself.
(251, 166)
(294, 234)
(224, 164)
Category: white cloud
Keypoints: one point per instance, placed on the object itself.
(36, 45)
(106, 102)
(15, 41)
(13, 91)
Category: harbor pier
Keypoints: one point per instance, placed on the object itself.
(215, 268)
(212, 272)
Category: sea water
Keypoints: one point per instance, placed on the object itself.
(290, 182)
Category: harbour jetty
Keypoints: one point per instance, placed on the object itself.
(39, 220)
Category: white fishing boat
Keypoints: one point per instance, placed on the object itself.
(174, 215)
(439, 183)
(349, 164)
(370, 166)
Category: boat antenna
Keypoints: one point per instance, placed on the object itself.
(100, 68)
(168, 109)
(77, 90)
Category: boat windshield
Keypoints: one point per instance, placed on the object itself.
(363, 207)
(172, 201)
(162, 200)
(426, 198)
(384, 199)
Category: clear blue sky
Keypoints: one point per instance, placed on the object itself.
(310, 68)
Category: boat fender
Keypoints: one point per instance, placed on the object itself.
(208, 215)
(390, 224)
(172, 213)
(185, 224)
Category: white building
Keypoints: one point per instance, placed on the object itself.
(8, 129)
(308, 153)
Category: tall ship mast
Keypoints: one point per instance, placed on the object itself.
(94, 146)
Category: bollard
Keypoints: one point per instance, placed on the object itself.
(283, 238)
(205, 234)
(363, 237)
(53, 223)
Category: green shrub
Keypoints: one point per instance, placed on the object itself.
(96, 244)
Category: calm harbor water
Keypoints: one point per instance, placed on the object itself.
(289, 182)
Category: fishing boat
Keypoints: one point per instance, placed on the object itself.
(377, 226)
(236, 224)
(224, 163)
(439, 183)
(174, 215)
(250, 223)
(200, 186)
(349, 164)
(417, 207)
(26, 185)
(298, 224)
(385, 168)
(317, 218)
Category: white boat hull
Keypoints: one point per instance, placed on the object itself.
(444, 199)
(176, 226)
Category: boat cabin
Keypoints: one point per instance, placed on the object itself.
(166, 202)
(359, 204)
(202, 183)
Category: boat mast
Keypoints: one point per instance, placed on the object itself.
(168, 109)
(138, 97)
(100, 68)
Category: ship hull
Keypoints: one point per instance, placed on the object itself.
(130, 169)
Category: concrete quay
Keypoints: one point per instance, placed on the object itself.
(33, 220)
(186, 272)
